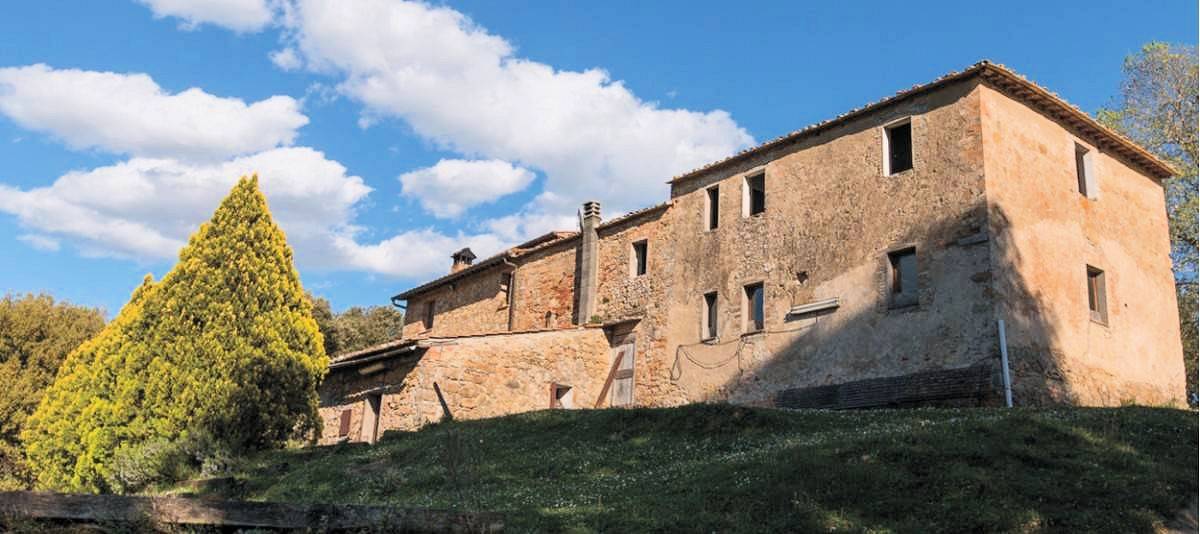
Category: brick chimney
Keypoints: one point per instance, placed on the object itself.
(589, 261)
(462, 260)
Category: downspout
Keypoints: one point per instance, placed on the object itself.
(1004, 364)
(512, 292)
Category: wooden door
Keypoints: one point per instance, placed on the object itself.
(622, 386)
(370, 421)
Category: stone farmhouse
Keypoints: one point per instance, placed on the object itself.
(869, 260)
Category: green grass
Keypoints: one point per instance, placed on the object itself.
(722, 468)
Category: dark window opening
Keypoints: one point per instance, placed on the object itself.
(756, 194)
(1096, 295)
(899, 144)
(561, 396)
(714, 208)
(429, 310)
(639, 258)
(1083, 171)
(754, 307)
(505, 287)
(903, 267)
(710, 315)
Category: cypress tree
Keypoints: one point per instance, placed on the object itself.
(222, 356)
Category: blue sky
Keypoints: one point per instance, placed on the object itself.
(389, 133)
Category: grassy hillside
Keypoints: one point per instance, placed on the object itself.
(722, 468)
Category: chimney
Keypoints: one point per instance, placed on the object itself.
(589, 260)
(462, 260)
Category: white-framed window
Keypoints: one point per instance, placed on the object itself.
(897, 147)
(638, 259)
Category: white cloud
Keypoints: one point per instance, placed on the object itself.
(467, 91)
(145, 209)
(237, 15)
(286, 59)
(131, 114)
(453, 185)
(40, 242)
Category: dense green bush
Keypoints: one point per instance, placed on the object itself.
(223, 348)
(36, 334)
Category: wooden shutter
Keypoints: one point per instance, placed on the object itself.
(622, 388)
(344, 424)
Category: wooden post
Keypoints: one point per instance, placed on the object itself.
(612, 373)
(446, 415)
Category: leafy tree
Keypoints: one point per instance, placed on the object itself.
(357, 327)
(220, 357)
(1158, 109)
(36, 333)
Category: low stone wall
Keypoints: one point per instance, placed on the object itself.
(479, 376)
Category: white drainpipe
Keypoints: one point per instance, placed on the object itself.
(1004, 365)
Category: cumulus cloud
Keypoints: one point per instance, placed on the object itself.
(145, 209)
(237, 15)
(131, 114)
(467, 91)
(453, 185)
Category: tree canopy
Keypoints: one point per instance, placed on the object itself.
(36, 334)
(220, 356)
(357, 327)
(1158, 109)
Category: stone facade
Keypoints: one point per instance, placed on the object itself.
(988, 214)
(479, 376)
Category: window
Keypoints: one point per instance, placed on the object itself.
(1085, 173)
(897, 148)
(712, 208)
(639, 258)
(754, 201)
(710, 316)
(505, 288)
(753, 307)
(1096, 295)
(561, 396)
(903, 278)
(429, 314)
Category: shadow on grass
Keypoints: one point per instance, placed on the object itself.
(723, 468)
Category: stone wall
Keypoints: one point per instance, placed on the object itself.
(545, 287)
(473, 304)
(831, 218)
(480, 376)
(623, 296)
(1047, 233)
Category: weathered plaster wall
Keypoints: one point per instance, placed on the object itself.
(472, 305)
(480, 376)
(1046, 233)
(545, 289)
(831, 217)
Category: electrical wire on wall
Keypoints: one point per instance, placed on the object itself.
(683, 352)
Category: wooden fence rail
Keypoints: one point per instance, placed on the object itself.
(190, 511)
